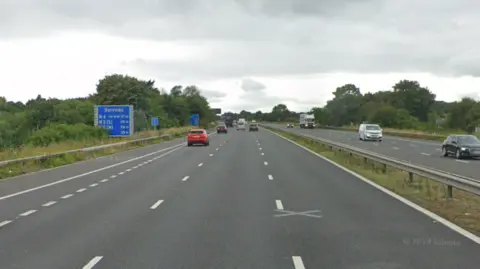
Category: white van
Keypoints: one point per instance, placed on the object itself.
(241, 125)
(370, 132)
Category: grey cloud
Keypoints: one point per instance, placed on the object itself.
(274, 37)
(213, 96)
(250, 85)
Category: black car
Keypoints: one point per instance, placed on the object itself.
(222, 129)
(461, 146)
(253, 127)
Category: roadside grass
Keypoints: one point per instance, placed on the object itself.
(463, 209)
(46, 163)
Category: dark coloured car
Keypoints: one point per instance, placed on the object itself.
(222, 129)
(253, 127)
(461, 146)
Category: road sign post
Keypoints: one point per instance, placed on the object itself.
(117, 119)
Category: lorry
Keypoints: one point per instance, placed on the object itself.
(307, 121)
(228, 119)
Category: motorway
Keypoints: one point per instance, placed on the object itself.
(249, 200)
(420, 152)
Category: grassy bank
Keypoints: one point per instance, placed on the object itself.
(32, 166)
(463, 209)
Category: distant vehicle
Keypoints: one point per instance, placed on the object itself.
(241, 125)
(228, 120)
(461, 146)
(234, 123)
(370, 132)
(222, 129)
(253, 127)
(242, 120)
(289, 125)
(307, 121)
(198, 136)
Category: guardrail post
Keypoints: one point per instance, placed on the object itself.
(449, 191)
(384, 168)
(410, 177)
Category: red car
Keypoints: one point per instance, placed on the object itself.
(198, 136)
(222, 129)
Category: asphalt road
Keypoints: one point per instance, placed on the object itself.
(249, 200)
(420, 152)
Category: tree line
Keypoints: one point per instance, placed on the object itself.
(408, 105)
(41, 121)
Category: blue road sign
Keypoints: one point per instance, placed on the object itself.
(117, 119)
(195, 119)
(155, 122)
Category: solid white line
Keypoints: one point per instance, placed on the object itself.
(211, 154)
(67, 196)
(156, 204)
(49, 203)
(92, 262)
(265, 163)
(200, 164)
(407, 202)
(81, 190)
(104, 180)
(462, 161)
(270, 177)
(94, 185)
(298, 262)
(279, 204)
(426, 154)
(185, 178)
(24, 214)
(176, 147)
(3, 223)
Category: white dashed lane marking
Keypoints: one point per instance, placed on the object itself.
(263, 153)
(92, 262)
(265, 163)
(93, 185)
(270, 177)
(104, 180)
(29, 212)
(49, 203)
(298, 262)
(113, 176)
(3, 223)
(81, 190)
(67, 196)
(154, 206)
(185, 178)
(426, 154)
(200, 164)
(211, 154)
(279, 204)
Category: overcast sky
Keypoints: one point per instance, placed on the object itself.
(245, 54)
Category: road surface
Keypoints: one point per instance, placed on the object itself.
(421, 152)
(249, 200)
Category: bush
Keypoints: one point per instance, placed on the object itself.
(56, 133)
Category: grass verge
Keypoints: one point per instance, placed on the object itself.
(33, 166)
(463, 209)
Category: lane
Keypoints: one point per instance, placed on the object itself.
(11, 204)
(27, 181)
(416, 152)
(68, 233)
(222, 218)
(334, 220)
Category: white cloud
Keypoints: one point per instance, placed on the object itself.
(300, 50)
